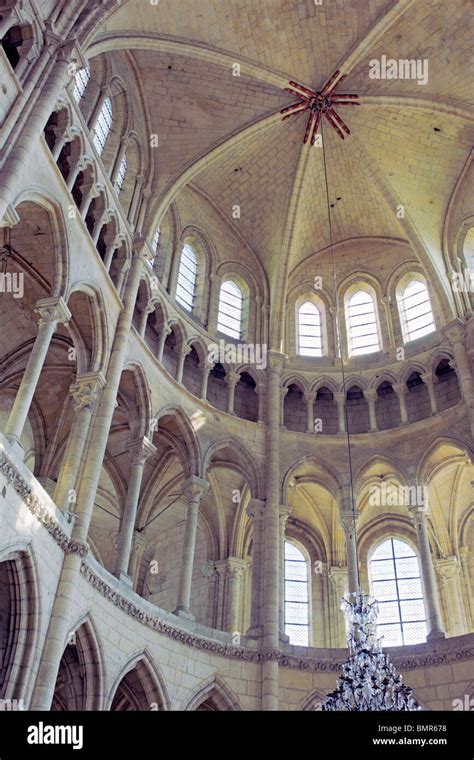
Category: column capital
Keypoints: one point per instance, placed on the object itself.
(256, 508)
(185, 349)
(339, 397)
(428, 378)
(348, 521)
(370, 394)
(52, 310)
(236, 567)
(400, 389)
(232, 378)
(194, 488)
(139, 541)
(455, 332)
(140, 450)
(418, 514)
(309, 396)
(276, 361)
(10, 217)
(448, 568)
(86, 389)
(338, 577)
(284, 391)
(284, 514)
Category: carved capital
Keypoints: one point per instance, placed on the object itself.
(370, 394)
(194, 488)
(400, 389)
(448, 568)
(276, 362)
(86, 389)
(141, 450)
(52, 310)
(255, 509)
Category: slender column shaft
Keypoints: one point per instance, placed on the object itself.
(401, 391)
(371, 396)
(193, 489)
(310, 399)
(161, 346)
(52, 312)
(428, 379)
(85, 392)
(139, 455)
(340, 400)
(255, 510)
(430, 592)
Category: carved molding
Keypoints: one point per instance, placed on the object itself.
(39, 511)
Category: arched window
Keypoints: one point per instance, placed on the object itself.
(296, 595)
(395, 583)
(121, 174)
(156, 240)
(362, 332)
(229, 317)
(103, 125)
(416, 314)
(187, 274)
(80, 83)
(310, 337)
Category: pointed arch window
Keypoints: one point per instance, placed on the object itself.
(229, 317)
(187, 275)
(103, 125)
(310, 335)
(80, 83)
(121, 174)
(156, 240)
(415, 310)
(362, 327)
(396, 584)
(296, 595)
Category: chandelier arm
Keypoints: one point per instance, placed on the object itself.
(302, 105)
(312, 116)
(341, 123)
(310, 93)
(333, 123)
(316, 124)
(331, 83)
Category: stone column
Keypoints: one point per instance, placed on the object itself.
(429, 380)
(74, 173)
(401, 390)
(261, 390)
(340, 399)
(92, 193)
(285, 512)
(140, 451)
(349, 526)
(60, 54)
(161, 346)
(124, 143)
(449, 573)
(467, 583)
(121, 277)
(194, 489)
(456, 334)
(430, 593)
(338, 578)
(371, 396)
(138, 547)
(221, 573)
(183, 352)
(235, 572)
(147, 310)
(61, 141)
(103, 418)
(271, 582)
(52, 311)
(85, 392)
(109, 253)
(232, 379)
(283, 393)
(310, 399)
(206, 369)
(101, 222)
(255, 510)
(387, 300)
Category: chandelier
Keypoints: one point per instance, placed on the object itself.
(368, 680)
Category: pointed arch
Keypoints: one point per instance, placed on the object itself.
(213, 695)
(243, 460)
(140, 685)
(84, 637)
(193, 463)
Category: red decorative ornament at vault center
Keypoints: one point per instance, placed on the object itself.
(319, 104)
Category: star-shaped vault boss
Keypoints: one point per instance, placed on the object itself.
(320, 104)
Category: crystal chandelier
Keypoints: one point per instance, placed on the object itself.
(368, 680)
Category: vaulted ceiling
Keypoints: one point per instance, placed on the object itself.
(224, 134)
